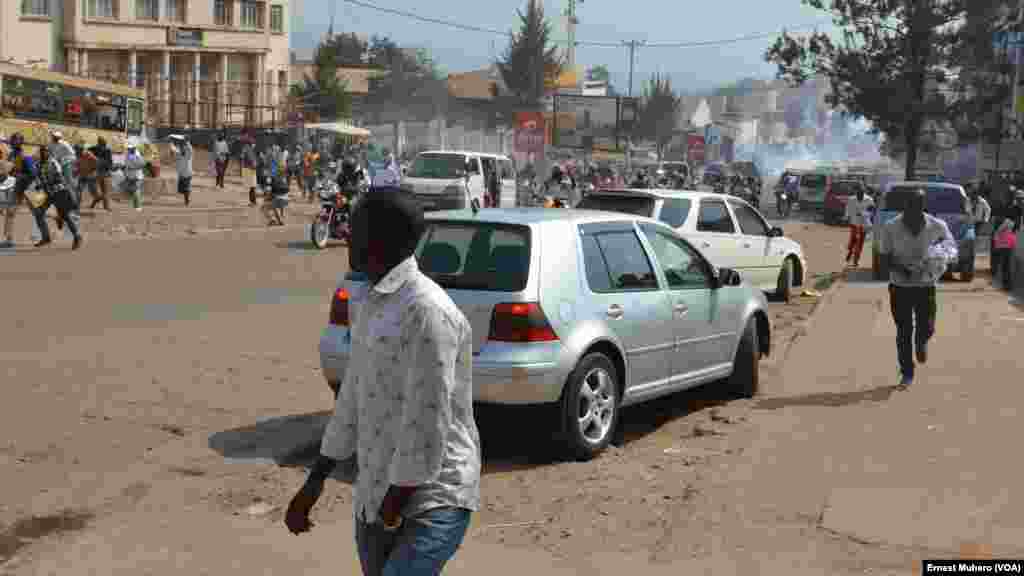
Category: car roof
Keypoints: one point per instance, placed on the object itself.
(924, 184)
(531, 215)
(661, 193)
(466, 153)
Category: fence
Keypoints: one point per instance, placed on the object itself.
(413, 137)
(184, 102)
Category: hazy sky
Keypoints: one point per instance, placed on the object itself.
(693, 68)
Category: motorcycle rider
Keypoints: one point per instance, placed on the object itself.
(640, 180)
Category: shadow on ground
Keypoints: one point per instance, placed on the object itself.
(513, 437)
(306, 245)
(829, 400)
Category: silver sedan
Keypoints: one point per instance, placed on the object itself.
(591, 311)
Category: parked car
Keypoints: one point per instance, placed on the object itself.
(589, 311)
(948, 202)
(813, 190)
(451, 180)
(838, 194)
(726, 229)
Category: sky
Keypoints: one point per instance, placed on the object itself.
(693, 69)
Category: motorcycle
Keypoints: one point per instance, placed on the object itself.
(333, 220)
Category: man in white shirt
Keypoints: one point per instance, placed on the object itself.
(906, 244)
(858, 214)
(405, 409)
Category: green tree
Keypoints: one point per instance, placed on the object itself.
(888, 66)
(410, 84)
(531, 59)
(350, 49)
(324, 91)
(658, 107)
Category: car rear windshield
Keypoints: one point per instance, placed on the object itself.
(476, 255)
(813, 180)
(635, 205)
(938, 200)
(440, 166)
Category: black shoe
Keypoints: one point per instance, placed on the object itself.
(77, 243)
(42, 243)
(922, 353)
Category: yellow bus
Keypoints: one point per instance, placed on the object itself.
(35, 102)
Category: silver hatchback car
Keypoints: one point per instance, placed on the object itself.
(592, 311)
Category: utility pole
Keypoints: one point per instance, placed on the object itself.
(570, 12)
(632, 45)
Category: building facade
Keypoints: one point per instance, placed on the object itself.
(202, 63)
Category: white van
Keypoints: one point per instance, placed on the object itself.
(451, 180)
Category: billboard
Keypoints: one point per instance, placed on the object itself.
(581, 120)
(695, 149)
(530, 133)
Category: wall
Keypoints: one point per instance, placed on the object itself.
(25, 38)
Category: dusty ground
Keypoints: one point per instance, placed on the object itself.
(179, 378)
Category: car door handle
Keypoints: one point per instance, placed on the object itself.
(681, 308)
(705, 244)
(615, 311)
(746, 244)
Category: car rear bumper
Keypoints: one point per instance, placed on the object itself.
(502, 375)
(431, 202)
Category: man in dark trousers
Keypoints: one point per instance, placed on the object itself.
(905, 245)
(404, 413)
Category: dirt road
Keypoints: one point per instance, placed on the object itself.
(162, 396)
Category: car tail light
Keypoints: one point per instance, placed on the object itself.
(520, 322)
(339, 308)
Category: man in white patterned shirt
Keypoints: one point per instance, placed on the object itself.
(405, 410)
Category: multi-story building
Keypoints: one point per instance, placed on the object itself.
(203, 63)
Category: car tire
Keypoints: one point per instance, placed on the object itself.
(319, 233)
(746, 372)
(784, 285)
(877, 273)
(592, 386)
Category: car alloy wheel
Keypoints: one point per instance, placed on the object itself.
(590, 407)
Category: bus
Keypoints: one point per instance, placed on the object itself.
(35, 102)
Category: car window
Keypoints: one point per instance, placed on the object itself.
(682, 266)
(751, 223)
(813, 180)
(507, 172)
(625, 263)
(633, 205)
(476, 256)
(714, 217)
(435, 165)
(674, 211)
(474, 165)
(938, 200)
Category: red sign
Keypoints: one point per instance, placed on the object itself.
(695, 148)
(530, 132)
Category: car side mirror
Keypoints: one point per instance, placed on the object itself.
(728, 277)
(776, 232)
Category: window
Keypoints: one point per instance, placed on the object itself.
(32, 99)
(682, 266)
(674, 212)
(508, 172)
(101, 9)
(176, 11)
(147, 9)
(35, 7)
(625, 264)
(135, 113)
(813, 180)
(222, 12)
(751, 223)
(277, 19)
(633, 205)
(714, 217)
(466, 256)
(252, 14)
(438, 166)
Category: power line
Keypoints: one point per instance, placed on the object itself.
(485, 30)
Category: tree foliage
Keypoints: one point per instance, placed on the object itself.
(892, 65)
(349, 48)
(324, 91)
(531, 59)
(658, 107)
(410, 84)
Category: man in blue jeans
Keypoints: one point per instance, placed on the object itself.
(404, 413)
